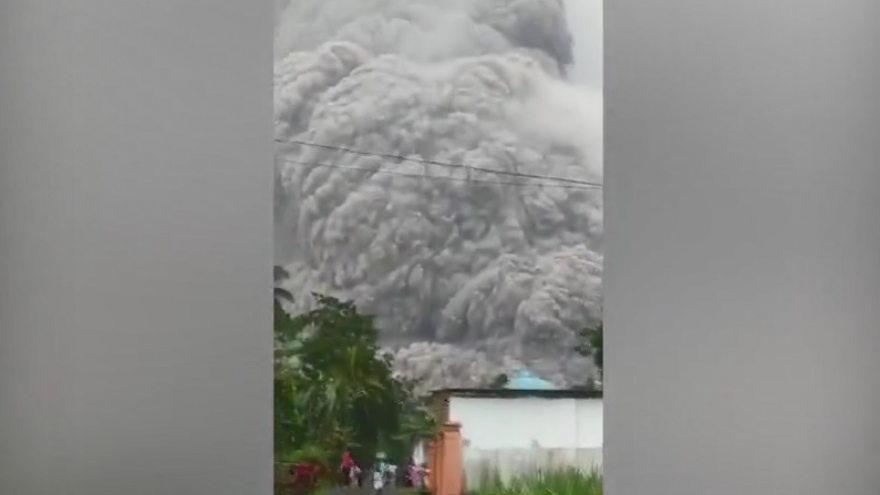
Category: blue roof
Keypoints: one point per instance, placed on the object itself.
(524, 380)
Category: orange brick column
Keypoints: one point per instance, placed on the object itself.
(431, 477)
(451, 476)
(435, 464)
(440, 453)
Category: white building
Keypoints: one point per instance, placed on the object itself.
(528, 425)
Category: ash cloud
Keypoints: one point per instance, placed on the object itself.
(470, 274)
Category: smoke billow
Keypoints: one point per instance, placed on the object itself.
(469, 273)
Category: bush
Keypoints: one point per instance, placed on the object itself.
(557, 482)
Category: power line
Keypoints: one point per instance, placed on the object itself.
(352, 151)
(438, 177)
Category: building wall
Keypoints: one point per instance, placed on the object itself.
(590, 425)
(510, 436)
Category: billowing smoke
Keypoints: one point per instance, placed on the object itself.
(470, 273)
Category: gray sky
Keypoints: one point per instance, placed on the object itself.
(585, 23)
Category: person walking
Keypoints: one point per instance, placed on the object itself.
(358, 474)
(379, 478)
(346, 466)
(415, 476)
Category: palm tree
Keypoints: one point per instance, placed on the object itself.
(281, 294)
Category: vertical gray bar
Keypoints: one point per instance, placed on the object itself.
(743, 247)
(135, 247)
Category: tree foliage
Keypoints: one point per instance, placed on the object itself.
(499, 381)
(590, 345)
(334, 389)
(281, 294)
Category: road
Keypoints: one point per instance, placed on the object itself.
(366, 490)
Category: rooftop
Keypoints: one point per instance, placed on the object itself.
(525, 380)
(522, 384)
(512, 393)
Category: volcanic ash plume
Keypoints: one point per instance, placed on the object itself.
(469, 273)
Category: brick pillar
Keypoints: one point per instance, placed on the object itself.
(439, 454)
(432, 465)
(452, 467)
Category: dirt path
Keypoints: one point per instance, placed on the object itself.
(389, 490)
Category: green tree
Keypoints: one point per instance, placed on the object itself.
(415, 420)
(590, 345)
(281, 294)
(334, 387)
(499, 381)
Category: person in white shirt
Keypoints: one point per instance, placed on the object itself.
(378, 478)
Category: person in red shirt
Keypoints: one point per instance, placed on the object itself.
(303, 475)
(346, 468)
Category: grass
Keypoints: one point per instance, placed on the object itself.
(557, 482)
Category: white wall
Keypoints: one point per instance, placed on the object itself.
(516, 435)
(590, 425)
(493, 423)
